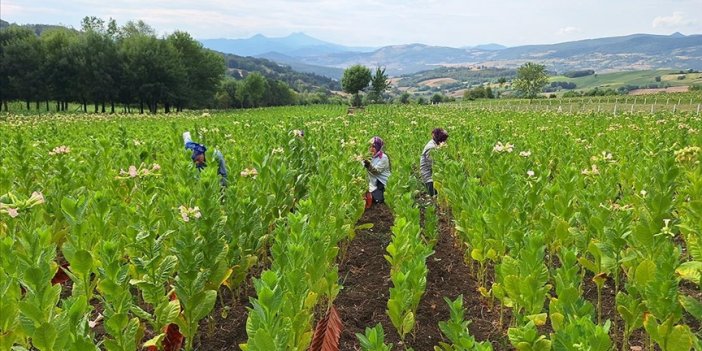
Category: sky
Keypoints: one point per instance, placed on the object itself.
(376, 23)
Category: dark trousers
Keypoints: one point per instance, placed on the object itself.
(430, 188)
(379, 193)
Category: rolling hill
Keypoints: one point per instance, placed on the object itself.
(295, 44)
(624, 53)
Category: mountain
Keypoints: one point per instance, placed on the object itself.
(624, 53)
(295, 44)
(489, 47)
(297, 65)
(239, 67)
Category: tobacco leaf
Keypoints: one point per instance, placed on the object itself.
(327, 333)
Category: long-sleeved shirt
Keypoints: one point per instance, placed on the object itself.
(426, 163)
(200, 149)
(379, 170)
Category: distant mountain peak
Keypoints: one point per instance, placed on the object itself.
(677, 35)
(490, 47)
(298, 35)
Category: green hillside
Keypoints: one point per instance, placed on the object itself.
(643, 79)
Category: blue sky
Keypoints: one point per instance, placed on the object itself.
(378, 23)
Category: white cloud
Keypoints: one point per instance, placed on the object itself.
(569, 30)
(378, 22)
(678, 19)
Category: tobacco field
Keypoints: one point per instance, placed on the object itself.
(551, 231)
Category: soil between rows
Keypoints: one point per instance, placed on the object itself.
(366, 279)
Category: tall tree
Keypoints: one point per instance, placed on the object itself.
(152, 70)
(22, 61)
(355, 79)
(62, 65)
(229, 94)
(254, 88)
(379, 82)
(204, 70)
(531, 78)
(278, 94)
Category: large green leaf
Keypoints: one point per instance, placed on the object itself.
(44, 337)
(203, 304)
(691, 305)
(679, 339)
(82, 262)
(691, 271)
(645, 272)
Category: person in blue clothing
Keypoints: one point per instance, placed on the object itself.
(199, 159)
(378, 168)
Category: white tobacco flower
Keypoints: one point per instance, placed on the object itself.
(37, 198)
(93, 324)
(249, 172)
(499, 147)
(60, 150)
(525, 153)
(593, 171)
(530, 173)
(186, 213)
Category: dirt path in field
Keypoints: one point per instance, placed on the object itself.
(365, 276)
(449, 277)
(225, 328)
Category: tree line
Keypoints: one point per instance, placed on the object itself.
(104, 65)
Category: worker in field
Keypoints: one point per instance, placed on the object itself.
(378, 168)
(438, 137)
(199, 159)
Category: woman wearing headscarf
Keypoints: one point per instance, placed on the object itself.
(378, 168)
(438, 137)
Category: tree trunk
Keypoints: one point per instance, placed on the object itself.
(47, 105)
(85, 106)
(141, 107)
(28, 107)
(166, 108)
(103, 106)
(112, 106)
(4, 104)
(96, 106)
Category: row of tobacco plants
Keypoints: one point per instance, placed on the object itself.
(549, 204)
(110, 239)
